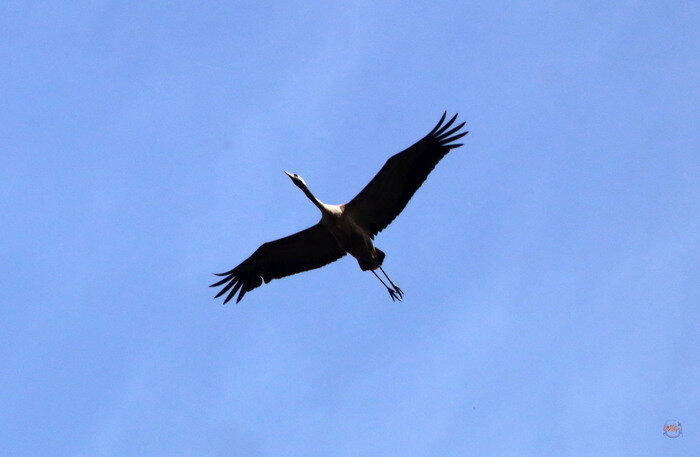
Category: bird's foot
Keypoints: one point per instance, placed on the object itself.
(398, 290)
(394, 295)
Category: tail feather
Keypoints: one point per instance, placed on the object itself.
(380, 257)
(372, 263)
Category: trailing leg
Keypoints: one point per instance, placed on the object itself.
(396, 288)
(393, 293)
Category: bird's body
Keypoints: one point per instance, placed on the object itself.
(352, 238)
(349, 228)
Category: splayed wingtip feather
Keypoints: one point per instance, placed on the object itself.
(438, 124)
(446, 126)
(444, 135)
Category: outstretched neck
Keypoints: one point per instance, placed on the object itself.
(314, 200)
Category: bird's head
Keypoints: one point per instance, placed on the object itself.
(296, 179)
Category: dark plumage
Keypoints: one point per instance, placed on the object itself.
(306, 250)
(388, 193)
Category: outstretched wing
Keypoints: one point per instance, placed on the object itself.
(306, 250)
(389, 191)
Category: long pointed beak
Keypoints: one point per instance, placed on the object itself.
(288, 174)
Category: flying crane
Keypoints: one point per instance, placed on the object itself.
(349, 228)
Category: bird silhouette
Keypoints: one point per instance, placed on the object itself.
(349, 228)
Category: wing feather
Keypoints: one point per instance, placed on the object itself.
(388, 193)
(302, 251)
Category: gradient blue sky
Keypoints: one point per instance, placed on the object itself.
(551, 265)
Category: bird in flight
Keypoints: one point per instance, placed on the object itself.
(349, 228)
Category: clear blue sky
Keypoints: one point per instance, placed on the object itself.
(551, 265)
